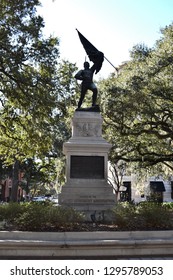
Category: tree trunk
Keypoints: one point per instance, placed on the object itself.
(15, 182)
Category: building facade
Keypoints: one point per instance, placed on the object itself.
(153, 189)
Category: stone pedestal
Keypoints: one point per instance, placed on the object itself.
(86, 188)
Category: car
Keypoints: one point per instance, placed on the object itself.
(54, 200)
(38, 198)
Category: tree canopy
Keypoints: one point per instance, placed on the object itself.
(138, 104)
(35, 87)
(28, 78)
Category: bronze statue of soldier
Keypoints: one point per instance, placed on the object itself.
(86, 76)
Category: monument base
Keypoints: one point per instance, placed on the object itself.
(86, 194)
(86, 188)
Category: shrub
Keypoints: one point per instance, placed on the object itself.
(10, 211)
(63, 217)
(44, 216)
(33, 218)
(144, 216)
(2, 212)
(36, 216)
(168, 205)
(154, 215)
(123, 214)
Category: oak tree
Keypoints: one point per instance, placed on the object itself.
(138, 105)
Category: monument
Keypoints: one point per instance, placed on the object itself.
(86, 188)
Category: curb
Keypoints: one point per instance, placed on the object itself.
(86, 244)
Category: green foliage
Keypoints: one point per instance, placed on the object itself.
(144, 216)
(44, 216)
(34, 217)
(137, 105)
(154, 215)
(10, 212)
(39, 216)
(27, 86)
(2, 213)
(168, 205)
(123, 214)
(64, 217)
(35, 91)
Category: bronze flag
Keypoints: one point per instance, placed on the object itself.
(94, 54)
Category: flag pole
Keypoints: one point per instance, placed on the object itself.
(88, 46)
(111, 64)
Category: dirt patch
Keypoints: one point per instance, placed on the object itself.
(89, 227)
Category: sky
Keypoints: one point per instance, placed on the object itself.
(112, 26)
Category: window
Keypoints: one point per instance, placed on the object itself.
(156, 191)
